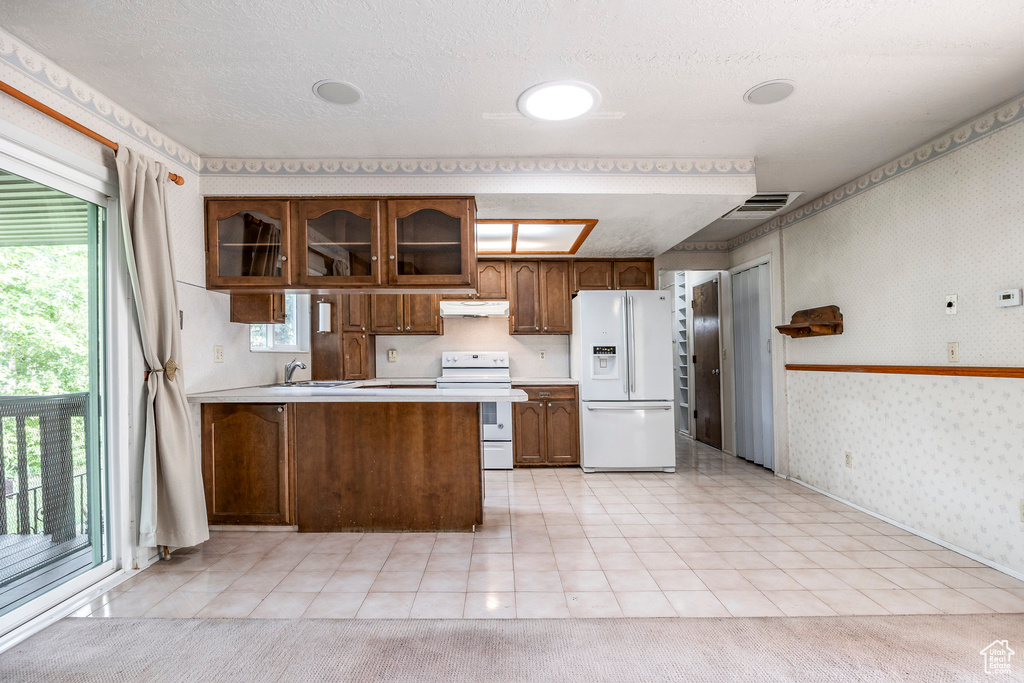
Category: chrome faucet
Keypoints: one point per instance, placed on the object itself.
(289, 369)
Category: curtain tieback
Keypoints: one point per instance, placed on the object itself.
(170, 368)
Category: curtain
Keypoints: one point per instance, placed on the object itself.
(173, 504)
(262, 252)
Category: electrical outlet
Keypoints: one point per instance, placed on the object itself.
(218, 354)
(849, 459)
(953, 352)
(543, 354)
(951, 304)
(1022, 509)
(392, 355)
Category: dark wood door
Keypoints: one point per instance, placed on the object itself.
(247, 243)
(707, 372)
(634, 274)
(245, 463)
(325, 347)
(592, 275)
(529, 432)
(337, 242)
(256, 309)
(525, 297)
(357, 350)
(422, 314)
(556, 301)
(386, 314)
(562, 431)
(491, 280)
(431, 241)
(355, 312)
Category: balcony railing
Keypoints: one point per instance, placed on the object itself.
(46, 426)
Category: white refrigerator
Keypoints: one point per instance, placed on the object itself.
(621, 354)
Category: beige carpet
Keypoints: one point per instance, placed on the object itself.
(918, 648)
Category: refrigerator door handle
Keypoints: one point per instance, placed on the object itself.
(667, 407)
(625, 338)
(632, 345)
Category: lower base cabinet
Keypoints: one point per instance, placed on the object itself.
(246, 465)
(545, 428)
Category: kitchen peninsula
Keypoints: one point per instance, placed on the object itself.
(356, 456)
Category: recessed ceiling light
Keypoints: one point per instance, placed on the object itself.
(770, 92)
(558, 100)
(337, 92)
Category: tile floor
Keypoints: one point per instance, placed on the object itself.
(718, 538)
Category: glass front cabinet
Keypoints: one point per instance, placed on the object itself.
(247, 243)
(328, 243)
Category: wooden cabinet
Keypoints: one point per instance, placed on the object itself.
(337, 242)
(247, 473)
(612, 274)
(540, 300)
(355, 312)
(257, 308)
(491, 282)
(340, 354)
(340, 242)
(247, 243)
(431, 242)
(405, 314)
(545, 428)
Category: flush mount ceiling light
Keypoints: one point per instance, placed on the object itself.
(337, 92)
(769, 92)
(558, 100)
(531, 236)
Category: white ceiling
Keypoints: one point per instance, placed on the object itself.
(441, 77)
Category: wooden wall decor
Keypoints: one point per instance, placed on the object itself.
(814, 322)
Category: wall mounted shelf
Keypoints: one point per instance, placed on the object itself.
(814, 322)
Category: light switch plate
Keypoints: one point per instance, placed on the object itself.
(392, 355)
(953, 352)
(218, 354)
(951, 304)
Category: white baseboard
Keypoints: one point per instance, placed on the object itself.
(928, 537)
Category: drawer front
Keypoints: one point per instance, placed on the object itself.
(540, 393)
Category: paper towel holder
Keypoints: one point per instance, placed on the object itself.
(323, 317)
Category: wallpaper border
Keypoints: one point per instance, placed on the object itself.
(42, 71)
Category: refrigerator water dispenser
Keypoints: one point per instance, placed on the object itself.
(605, 363)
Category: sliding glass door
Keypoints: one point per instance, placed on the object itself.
(53, 520)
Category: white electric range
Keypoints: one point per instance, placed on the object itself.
(484, 370)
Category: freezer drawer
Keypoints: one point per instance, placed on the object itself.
(497, 455)
(634, 435)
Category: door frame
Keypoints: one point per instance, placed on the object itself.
(50, 164)
(716, 277)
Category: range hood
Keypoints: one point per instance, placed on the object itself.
(474, 309)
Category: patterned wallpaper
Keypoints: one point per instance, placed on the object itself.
(942, 455)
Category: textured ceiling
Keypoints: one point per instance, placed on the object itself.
(232, 78)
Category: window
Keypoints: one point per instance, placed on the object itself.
(288, 337)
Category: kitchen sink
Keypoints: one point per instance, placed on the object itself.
(313, 384)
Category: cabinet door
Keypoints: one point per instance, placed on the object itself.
(355, 312)
(247, 243)
(556, 301)
(257, 309)
(525, 311)
(528, 430)
(431, 242)
(386, 314)
(490, 280)
(634, 274)
(562, 432)
(325, 347)
(337, 242)
(357, 349)
(422, 314)
(245, 463)
(592, 275)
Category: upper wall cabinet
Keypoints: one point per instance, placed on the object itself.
(247, 243)
(612, 274)
(341, 242)
(490, 282)
(338, 242)
(431, 242)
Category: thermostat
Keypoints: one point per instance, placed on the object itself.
(1008, 297)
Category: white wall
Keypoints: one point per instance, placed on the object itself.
(943, 455)
(420, 356)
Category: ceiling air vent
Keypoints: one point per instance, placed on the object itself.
(761, 205)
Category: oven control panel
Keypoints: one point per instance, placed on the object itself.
(474, 359)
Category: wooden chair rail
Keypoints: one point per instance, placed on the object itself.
(940, 370)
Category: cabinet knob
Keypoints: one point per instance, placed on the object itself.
(373, 258)
(399, 328)
(392, 257)
(280, 409)
(362, 329)
(364, 336)
(283, 257)
(408, 327)
(545, 328)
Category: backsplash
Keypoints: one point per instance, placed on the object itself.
(420, 356)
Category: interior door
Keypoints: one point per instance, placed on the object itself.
(707, 371)
(751, 305)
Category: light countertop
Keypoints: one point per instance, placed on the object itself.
(543, 381)
(372, 391)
